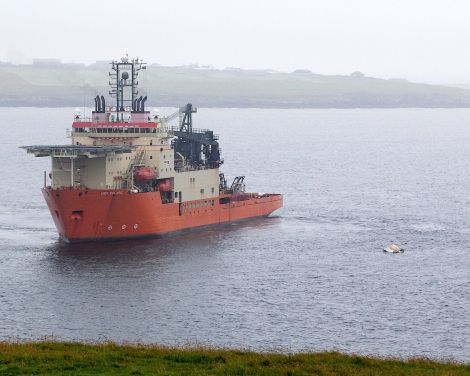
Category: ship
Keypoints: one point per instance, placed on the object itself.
(128, 173)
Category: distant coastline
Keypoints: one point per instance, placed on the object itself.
(72, 85)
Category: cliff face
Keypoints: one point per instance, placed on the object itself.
(30, 85)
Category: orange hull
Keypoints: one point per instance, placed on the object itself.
(91, 214)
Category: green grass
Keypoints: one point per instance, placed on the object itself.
(62, 358)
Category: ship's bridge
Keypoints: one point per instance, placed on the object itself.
(127, 117)
(113, 130)
(112, 122)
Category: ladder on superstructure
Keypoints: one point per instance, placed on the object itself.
(138, 161)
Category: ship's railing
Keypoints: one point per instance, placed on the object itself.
(195, 130)
(187, 168)
(76, 150)
(118, 128)
(89, 119)
(113, 109)
(117, 131)
(84, 119)
(117, 109)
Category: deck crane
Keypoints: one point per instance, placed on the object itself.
(197, 147)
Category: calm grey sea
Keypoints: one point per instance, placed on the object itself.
(313, 277)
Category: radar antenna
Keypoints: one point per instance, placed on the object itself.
(123, 82)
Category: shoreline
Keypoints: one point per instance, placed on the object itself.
(53, 357)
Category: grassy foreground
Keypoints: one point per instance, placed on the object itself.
(60, 358)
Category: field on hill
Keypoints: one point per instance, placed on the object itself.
(75, 85)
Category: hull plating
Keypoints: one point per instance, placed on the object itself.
(85, 215)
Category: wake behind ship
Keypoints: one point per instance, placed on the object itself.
(128, 174)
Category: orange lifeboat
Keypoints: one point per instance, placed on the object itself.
(144, 174)
(164, 185)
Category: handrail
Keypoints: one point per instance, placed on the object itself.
(195, 130)
(121, 130)
(89, 119)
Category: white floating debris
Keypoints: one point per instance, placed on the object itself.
(393, 248)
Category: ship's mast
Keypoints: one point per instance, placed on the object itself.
(123, 82)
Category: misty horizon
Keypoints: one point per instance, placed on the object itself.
(57, 62)
(422, 41)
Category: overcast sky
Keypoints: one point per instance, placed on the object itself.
(421, 40)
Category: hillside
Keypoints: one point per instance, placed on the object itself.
(75, 85)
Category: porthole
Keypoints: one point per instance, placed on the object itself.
(110, 227)
(136, 226)
(123, 227)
